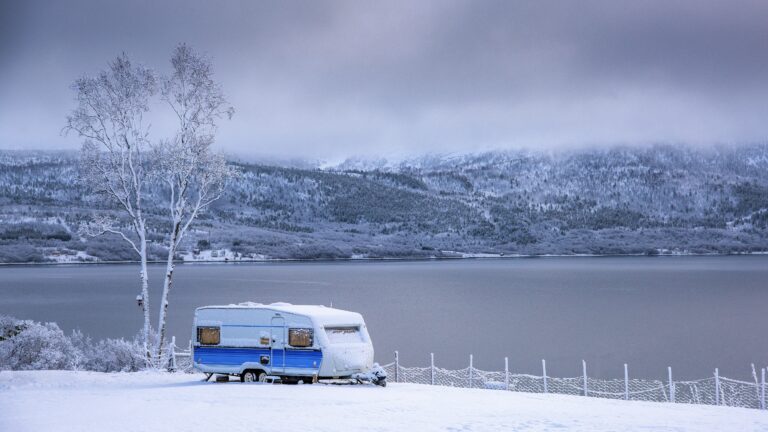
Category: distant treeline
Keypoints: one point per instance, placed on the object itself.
(660, 199)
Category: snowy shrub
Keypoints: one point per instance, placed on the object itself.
(108, 355)
(9, 327)
(28, 345)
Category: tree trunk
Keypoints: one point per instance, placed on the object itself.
(167, 283)
(145, 297)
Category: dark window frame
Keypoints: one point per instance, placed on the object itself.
(200, 330)
(311, 337)
(344, 329)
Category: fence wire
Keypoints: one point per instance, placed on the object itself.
(716, 390)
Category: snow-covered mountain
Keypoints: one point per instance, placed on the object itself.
(660, 199)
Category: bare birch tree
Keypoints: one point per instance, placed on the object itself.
(110, 117)
(192, 174)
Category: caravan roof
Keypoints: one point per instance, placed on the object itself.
(320, 314)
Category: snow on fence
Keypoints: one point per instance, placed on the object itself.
(180, 360)
(715, 390)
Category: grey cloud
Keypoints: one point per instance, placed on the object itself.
(329, 79)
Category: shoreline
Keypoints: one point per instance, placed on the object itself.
(467, 256)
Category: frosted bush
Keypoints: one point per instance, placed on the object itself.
(108, 355)
(28, 345)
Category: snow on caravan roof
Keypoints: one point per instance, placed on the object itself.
(320, 314)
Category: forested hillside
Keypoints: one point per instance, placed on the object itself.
(660, 199)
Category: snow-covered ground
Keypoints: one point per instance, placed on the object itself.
(67, 256)
(90, 401)
(219, 255)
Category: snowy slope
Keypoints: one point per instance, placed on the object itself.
(88, 401)
(644, 200)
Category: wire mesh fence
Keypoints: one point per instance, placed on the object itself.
(716, 390)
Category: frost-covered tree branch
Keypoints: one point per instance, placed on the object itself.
(114, 163)
(110, 117)
(100, 225)
(192, 175)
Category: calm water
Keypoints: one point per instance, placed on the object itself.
(691, 313)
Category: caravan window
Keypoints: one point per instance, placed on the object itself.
(208, 335)
(343, 334)
(300, 337)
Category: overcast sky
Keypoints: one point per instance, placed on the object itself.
(333, 79)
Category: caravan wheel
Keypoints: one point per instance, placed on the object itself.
(252, 376)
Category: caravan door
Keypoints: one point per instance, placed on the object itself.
(277, 348)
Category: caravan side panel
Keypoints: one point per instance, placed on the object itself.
(235, 360)
(245, 342)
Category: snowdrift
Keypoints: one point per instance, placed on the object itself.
(89, 401)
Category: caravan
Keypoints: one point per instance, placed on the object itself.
(293, 343)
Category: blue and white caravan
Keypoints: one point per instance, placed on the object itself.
(293, 342)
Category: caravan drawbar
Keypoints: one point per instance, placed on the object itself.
(293, 342)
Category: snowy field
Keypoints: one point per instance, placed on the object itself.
(90, 401)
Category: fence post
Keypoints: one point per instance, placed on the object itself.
(173, 353)
(432, 367)
(544, 371)
(397, 367)
(584, 368)
(671, 385)
(762, 388)
(626, 382)
(470, 371)
(717, 387)
(506, 373)
(757, 384)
